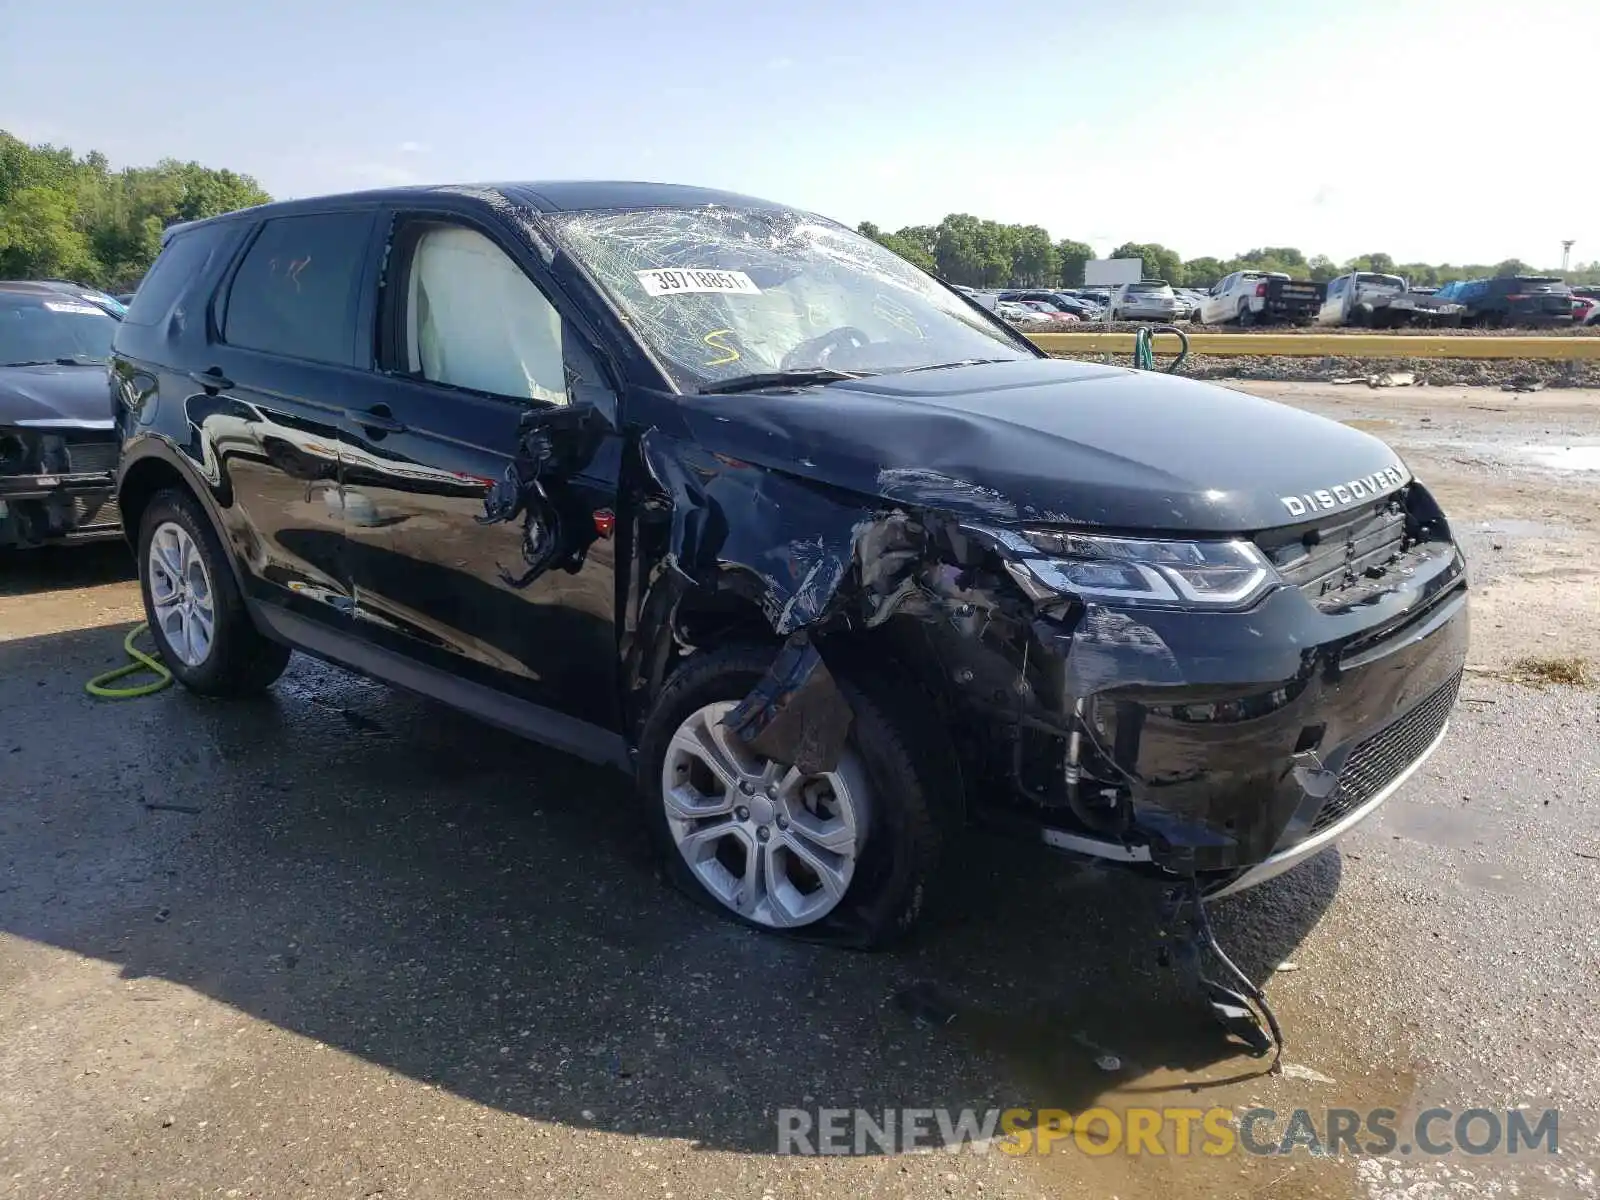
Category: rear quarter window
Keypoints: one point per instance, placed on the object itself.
(295, 290)
(186, 258)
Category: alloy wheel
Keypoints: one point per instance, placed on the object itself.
(774, 845)
(181, 595)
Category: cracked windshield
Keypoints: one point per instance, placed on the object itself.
(720, 294)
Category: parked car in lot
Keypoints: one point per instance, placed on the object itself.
(833, 563)
(1151, 300)
(1585, 309)
(1021, 314)
(1378, 301)
(58, 446)
(1527, 300)
(1261, 298)
(1065, 302)
(1054, 312)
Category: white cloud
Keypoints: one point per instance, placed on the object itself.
(414, 147)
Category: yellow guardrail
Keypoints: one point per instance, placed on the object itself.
(1335, 345)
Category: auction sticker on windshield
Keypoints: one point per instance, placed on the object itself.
(87, 310)
(665, 282)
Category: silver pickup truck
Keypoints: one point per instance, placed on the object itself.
(1376, 301)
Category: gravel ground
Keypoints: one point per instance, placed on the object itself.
(1430, 372)
(342, 942)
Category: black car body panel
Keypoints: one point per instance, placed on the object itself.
(58, 445)
(1046, 441)
(547, 567)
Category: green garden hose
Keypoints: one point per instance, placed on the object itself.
(142, 662)
(1144, 347)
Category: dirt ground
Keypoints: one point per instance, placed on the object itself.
(1519, 476)
(341, 942)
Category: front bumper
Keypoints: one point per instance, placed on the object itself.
(1244, 743)
(58, 485)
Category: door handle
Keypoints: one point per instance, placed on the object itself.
(378, 417)
(213, 380)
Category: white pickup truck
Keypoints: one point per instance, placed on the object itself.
(1260, 298)
(1378, 301)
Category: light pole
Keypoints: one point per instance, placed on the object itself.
(1566, 252)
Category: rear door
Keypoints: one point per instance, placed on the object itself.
(271, 397)
(481, 468)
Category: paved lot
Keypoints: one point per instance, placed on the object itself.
(342, 942)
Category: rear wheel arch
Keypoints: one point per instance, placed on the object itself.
(139, 485)
(146, 478)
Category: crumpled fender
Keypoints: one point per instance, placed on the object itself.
(807, 554)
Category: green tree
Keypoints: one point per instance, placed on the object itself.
(1380, 264)
(1159, 262)
(1202, 272)
(1321, 268)
(1035, 262)
(1512, 266)
(39, 237)
(1418, 274)
(958, 250)
(1071, 256)
(65, 215)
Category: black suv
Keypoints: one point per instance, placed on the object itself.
(1530, 300)
(832, 560)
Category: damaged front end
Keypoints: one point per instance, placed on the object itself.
(1205, 709)
(56, 484)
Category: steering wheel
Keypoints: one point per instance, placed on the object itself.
(817, 351)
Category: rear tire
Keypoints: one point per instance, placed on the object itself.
(909, 811)
(205, 634)
(1246, 317)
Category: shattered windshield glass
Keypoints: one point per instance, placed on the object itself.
(720, 294)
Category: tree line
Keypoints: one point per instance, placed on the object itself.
(979, 253)
(66, 217)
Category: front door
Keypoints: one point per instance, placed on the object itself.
(480, 477)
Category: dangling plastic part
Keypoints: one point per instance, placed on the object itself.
(1241, 1012)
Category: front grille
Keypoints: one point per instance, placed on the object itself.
(1377, 762)
(1322, 559)
(92, 458)
(90, 514)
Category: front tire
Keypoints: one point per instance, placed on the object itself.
(193, 605)
(850, 857)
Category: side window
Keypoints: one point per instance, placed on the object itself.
(1336, 288)
(184, 258)
(294, 293)
(472, 319)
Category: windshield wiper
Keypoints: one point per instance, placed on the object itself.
(762, 379)
(56, 362)
(960, 362)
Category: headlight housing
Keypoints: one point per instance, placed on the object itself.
(1139, 571)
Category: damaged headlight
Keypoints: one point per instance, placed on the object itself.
(1140, 570)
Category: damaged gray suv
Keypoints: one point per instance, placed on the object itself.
(826, 555)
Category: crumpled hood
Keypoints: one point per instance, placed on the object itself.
(54, 393)
(1050, 440)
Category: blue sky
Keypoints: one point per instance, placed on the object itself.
(1399, 126)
